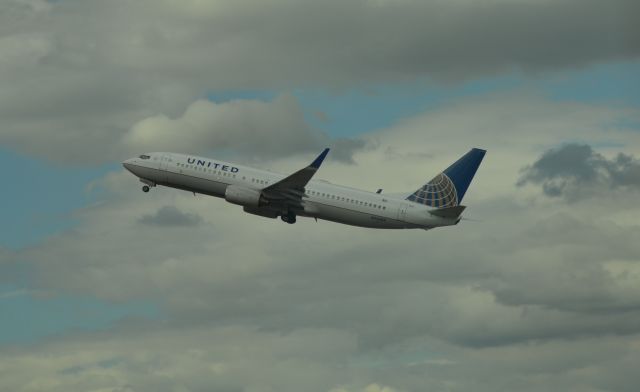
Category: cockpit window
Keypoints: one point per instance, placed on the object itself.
(143, 156)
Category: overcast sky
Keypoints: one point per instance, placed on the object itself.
(106, 289)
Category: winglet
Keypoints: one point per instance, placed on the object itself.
(318, 161)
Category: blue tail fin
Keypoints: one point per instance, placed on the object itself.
(448, 188)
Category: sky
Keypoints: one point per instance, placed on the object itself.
(104, 288)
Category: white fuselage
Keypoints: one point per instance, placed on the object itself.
(322, 200)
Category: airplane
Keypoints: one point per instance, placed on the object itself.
(272, 195)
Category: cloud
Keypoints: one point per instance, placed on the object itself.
(539, 296)
(369, 388)
(171, 216)
(191, 359)
(344, 149)
(230, 45)
(149, 358)
(258, 288)
(576, 171)
(254, 129)
(247, 126)
(79, 77)
(545, 290)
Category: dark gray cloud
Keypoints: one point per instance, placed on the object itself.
(77, 76)
(576, 172)
(171, 216)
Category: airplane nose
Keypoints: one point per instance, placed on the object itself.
(128, 165)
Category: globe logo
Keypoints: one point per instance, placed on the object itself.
(439, 192)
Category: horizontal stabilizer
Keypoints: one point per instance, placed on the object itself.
(448, 212)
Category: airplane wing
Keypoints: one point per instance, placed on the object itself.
(290, 190)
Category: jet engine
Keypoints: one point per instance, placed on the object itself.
(243, 196)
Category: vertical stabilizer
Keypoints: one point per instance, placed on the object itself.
(449, 187)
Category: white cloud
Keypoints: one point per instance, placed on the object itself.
(249, 127)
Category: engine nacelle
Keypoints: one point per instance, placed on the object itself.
(243, 196)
